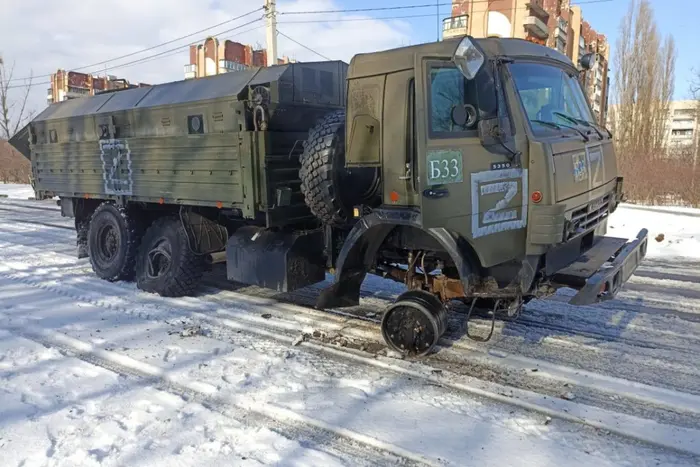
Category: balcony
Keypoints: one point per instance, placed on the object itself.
(536, 27)
(228, 65)
(190, 71)
(455, 26)
(683, 124)
(561, 45)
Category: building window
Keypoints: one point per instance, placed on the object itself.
(684, 133)
(684, 112)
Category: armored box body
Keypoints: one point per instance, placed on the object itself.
(229, 141)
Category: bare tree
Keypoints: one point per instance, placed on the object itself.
(644, 84)
(13, 112)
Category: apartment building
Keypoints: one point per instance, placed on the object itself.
(682, 125)
(554, 23)
(214, 57)
(681, 134)
(67, 85)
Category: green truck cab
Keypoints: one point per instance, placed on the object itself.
(467, 169)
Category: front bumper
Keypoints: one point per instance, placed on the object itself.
(599, 273)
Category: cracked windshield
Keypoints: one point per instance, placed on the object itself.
(551, 97)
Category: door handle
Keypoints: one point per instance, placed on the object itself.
(435, 192)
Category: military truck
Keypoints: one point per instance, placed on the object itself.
(467, 169)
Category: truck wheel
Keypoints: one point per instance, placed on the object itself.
(165, 264)
(112, 240)
(330, 190)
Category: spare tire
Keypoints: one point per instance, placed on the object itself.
(330, 190)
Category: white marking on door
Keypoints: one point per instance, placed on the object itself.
(498, 219)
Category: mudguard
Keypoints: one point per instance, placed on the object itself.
(275, 260)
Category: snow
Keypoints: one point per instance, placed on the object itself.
(17, 191)
(99, 373)
(680, 228)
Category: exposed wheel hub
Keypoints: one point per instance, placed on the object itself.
(414, 323)
(109, 243)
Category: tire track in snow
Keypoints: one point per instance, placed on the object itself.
(547, 372)
(509, 361)
(683, 440)
(288, 422)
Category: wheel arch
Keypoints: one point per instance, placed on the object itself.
(362, 245)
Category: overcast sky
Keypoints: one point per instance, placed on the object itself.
(40, 36)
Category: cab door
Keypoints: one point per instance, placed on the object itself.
(462, 186)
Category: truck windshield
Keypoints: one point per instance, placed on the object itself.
(550, 96)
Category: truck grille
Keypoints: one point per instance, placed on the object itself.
(588, 216)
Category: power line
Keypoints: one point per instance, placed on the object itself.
(351, 20)
(174, 52)
(169, 52)
(299, 43)
(364, 10)
(382, 18)
(151, 47)
(145, 59)
(404, 7)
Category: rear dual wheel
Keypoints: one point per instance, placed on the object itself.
(112, 241)
(160, 260)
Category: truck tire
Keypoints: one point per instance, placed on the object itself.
(165, 263)
(330, 190)
(112, 240)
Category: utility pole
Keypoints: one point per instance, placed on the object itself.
(437, 16)
(271, 19)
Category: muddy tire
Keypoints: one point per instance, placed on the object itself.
(165, 263)
(113, 238)
(330, 190)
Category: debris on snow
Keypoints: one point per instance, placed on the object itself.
(192, 331)
(569, 396)
(660, 237)
(301, 338)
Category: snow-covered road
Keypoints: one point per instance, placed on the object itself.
(96, 373)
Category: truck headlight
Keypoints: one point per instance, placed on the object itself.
(468, 58)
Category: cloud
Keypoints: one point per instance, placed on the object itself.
(40, 37)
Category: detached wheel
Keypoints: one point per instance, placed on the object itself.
(165, 264)
(112, 241)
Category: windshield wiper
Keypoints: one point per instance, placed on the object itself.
(579, 122)
(559, 126)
